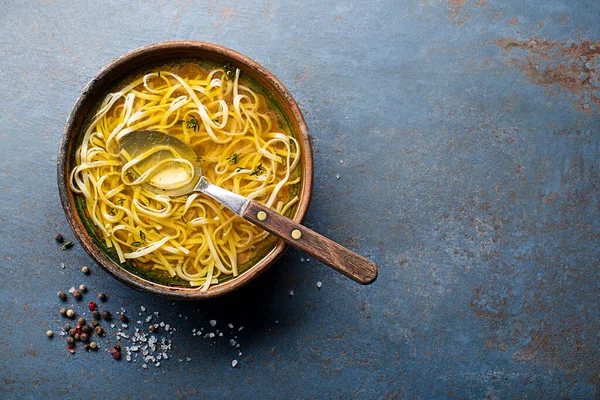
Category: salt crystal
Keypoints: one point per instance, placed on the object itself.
(211, 335)
(240, 354)
(240, 328)
(308, 260)
(188, 359)
(302, 260)
(291, 293)
(157, 364)
(221, 334)
(341, 161)
(276, 321)
(128, 358)
(337, 176)
(62, 265)
(232, 342)
(72, 290)
(319, 284)
(230, 326)
(145, 366)
(213, 322)
(234, 363)
(142, 308)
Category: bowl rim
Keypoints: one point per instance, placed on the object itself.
(119, 68)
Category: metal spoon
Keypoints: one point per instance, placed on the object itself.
(327, 251)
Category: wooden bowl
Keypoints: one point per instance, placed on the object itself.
(115, 72)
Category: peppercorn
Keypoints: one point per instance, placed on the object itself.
(77, 336)
(99, 331)
(85, 270)
(72, 332)
(124, 318)
(71, 349)
(81, 321)
(106, 315)
(83, 288)
(116, 354)
(117, 347)
(70, 341)
(102, 297)
(62, 295)
(95, 323)
(59, 238)
(84, 337)
(49, 334)
(92, 306)
(70, 313)
(93, 345)
(63, 311)
(87, 329)
(153, 328)
(67, 327)
(86, 346)
(77, 294)
(96, 314)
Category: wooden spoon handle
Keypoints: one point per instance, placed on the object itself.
(329, 252)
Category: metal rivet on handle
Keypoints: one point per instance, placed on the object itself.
(296, 234)
(261, 215)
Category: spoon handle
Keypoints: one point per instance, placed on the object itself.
(329, 252)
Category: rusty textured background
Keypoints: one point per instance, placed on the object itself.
(469, 134)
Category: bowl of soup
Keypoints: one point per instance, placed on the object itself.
(249, 136)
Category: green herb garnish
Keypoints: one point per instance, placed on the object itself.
(120, 202)
(67, 245)
(142, 236)
(193, 123)
(258, 171)
(234, 158)
(136, 244)
(159, 74)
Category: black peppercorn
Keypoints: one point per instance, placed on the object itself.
(117, 347)
(96, 314)
(106, 315)
(84, 337)
(63, 311)
(72, 332)
(77, 294)
(77, 336)
(81, 321)
(86, 346)
(62, 296)
(153, 328)
(70, 341)
(102, 296)
(99, 331)
(87, 329)
(59, 238)
(124, 318)
(95, 323)
(67, 327)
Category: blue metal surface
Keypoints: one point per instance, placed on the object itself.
(466, 137)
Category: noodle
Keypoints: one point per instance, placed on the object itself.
(240, 148)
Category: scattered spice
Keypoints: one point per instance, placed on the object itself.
(87, 329)
(77, 294)
(124, 318)
(106, 315)
(62, 296)
(319, 284)
(72, 332)
(86, 346)
(67, 327)
(117, 347)
(115, 354)
(77, 336)
(84, 337)
(96, 314)
(50, 334)
(102, 297)
(95, 323)
(83, 288)
(81, 321)
(70, 313)
(99, 331)
(85, 270)
(70, 341)
(92, 306)
(94, 346)
(59, 238)
(153, 328)
(63, 311)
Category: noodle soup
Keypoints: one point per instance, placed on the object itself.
(243, 143)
